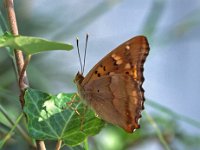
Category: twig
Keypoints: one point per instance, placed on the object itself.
(19, 60)
(23, 72)
(23, 80)
(18, 54)
(58, 145)
(14, 29)
(40, 145)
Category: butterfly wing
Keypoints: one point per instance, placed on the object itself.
(128, 58)
(114, 86)
(116, 99)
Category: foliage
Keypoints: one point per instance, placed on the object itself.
(50, 118)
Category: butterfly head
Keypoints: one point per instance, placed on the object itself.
(79, 78)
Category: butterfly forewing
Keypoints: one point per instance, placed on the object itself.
(128, 58)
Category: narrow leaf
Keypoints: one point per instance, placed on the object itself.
(31, 45)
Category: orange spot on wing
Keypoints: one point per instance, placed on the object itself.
(116, 57)
(127, 66)
(135, 72)
(134, 93)
(119, 62)
(127, 47)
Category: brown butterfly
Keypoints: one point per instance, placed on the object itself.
(113, 88)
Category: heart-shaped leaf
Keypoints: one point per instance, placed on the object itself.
(58, 117)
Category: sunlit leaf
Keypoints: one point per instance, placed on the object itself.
(53, 117)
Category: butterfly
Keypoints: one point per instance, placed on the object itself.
(113, 87)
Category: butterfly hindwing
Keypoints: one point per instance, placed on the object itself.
(116, 99)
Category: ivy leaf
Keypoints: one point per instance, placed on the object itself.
(55, 117)
(31, 45)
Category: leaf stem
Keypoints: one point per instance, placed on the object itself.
(86, 146)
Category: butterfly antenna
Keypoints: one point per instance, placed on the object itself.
(77, 44)
(86, 43)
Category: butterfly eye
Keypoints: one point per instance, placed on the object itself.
(98, 91)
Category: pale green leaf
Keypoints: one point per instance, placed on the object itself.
(31, 45)
(51, 118)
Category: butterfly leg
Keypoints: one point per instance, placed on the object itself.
(73, 100)
(83, 116)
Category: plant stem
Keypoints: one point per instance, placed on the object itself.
(23, 71)
(19, 59)
(159, 133)
(58, 145)
(21, 131)
(14, 29)
(174, 114)
(18, 54)
(86, 146)
(40, 145)
(8, 136)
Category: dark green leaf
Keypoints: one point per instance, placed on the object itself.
(31, 45)
(54, 117)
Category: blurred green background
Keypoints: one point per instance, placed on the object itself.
(171, 72)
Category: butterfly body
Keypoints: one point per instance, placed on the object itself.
(113, 88)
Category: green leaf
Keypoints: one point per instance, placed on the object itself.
(51, 118)
(31, 45)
